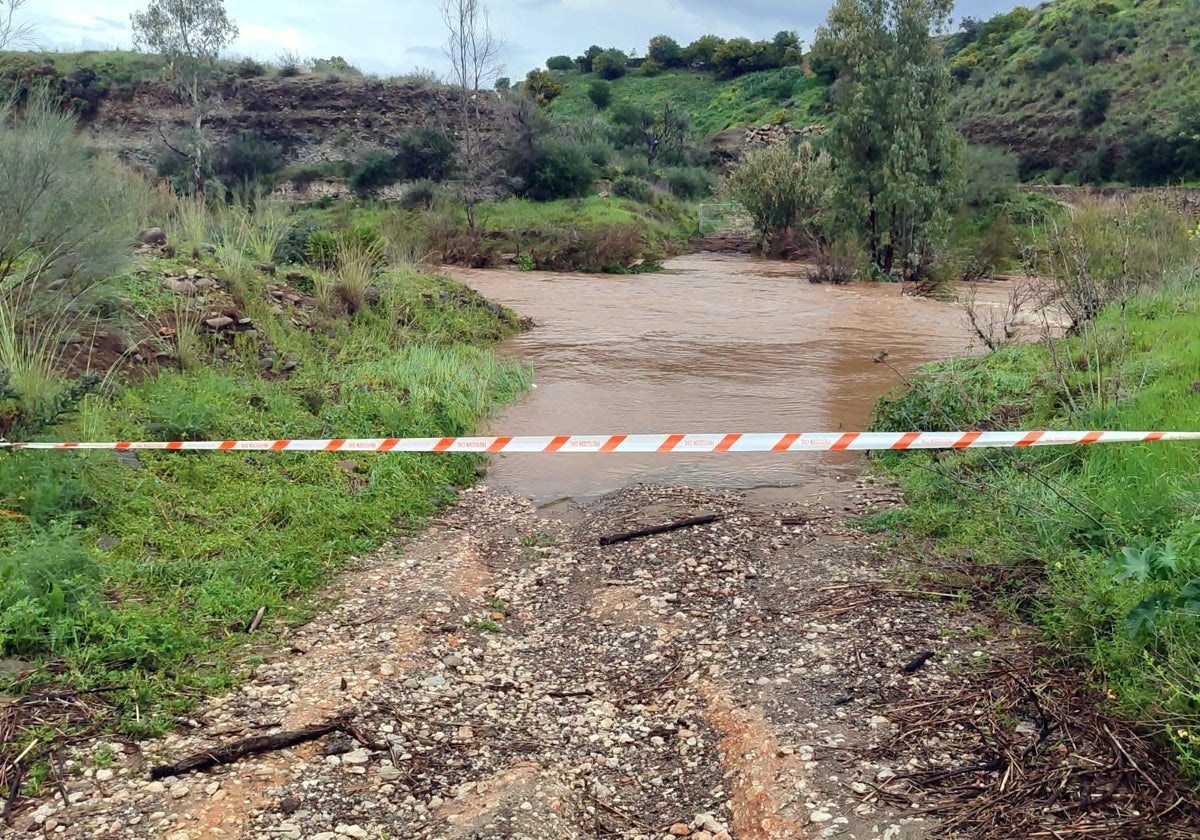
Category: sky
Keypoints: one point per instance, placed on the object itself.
(400, 36)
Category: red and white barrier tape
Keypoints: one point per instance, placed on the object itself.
(752, 442)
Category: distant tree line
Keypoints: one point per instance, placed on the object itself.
(727, 58)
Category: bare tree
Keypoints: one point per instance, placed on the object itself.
(13, 34)
(474, 53)
(190, 34)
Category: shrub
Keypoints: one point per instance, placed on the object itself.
(586, 61)
(294, 247)
(334, 65)
(247, 159)
(781, 186)
(542, 87)
(419, 194)
(560, 62)
(599, 152)
(699, 54)
(558, 170)
(989, 175)
(378, 169)
(248, 68)
(610, 64)
(650, 67)
(688, 182)
(600, 92)
(1052, 58)
(320, 249)
(1093, 108)
(634, 188)
(425, 153)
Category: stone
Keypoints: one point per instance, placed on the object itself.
(356, 757)
(351, 831)
(104, 774)
(680, 830)
(219, 323)
(820, 816)
(182, 287)
(434, 681)
(152, 236)
(180, 791)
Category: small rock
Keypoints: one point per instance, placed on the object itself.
(820, 816)
(884, 774)
(182, 287)
(104, 774)
(180, 791)
(681, 830)
(435, 681)
(351, 831)
(219, 323)
(356, 757)
(452, 661)
(387, 669)
(702, 835)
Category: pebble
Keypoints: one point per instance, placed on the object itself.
(681, 830)
(104, 774)
(180, 791)
(356, 757)
(351, 831)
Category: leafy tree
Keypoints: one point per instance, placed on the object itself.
(787, 48)
(425, 153)
(666, 51)
(896, 154)
(610, 64)
(542, 87)
(738, 56)
(781, 186)
(660, 134)
(190, 34)
(1093, 110)
(558, 170)
(585, 61)
(699, 54)
(560, 62)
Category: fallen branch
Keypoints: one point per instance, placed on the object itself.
(659, 529)
(250, 746)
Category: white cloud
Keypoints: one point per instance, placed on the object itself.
(390, 36)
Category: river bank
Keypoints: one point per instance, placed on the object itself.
(768, 676)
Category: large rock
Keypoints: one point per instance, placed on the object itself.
(152, 236)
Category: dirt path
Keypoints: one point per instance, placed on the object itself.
(510, 678)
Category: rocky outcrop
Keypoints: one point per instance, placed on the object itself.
(311, 118)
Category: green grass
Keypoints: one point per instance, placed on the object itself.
(1099, 544)
(144, 575)
(712, 105)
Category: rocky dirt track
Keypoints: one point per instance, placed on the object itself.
(508, 677)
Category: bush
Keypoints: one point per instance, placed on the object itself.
(247, 159)
(560, 62)
(586, 62)
(294, 247)
(1093, 108)
(688, 182)
(781, 186)
(425, 153)
(542, 87)
(558, 170)
(600, 92)
(989, 175)
(610, 64)
(419, 194)
(650, 67)
(378, 169)
(248, 68)
(633, 188)
(699, 54)
(1052, 58)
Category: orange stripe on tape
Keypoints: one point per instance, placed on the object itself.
(227, 444)
(612, 443)
(670, 443)
(444, 444)
(175, 444)
(499, 443)
(844, 441)
(1154, 436)
(558, 443)
(69, 445)
(786, 443)
(121, 444)
(967, 439)
(335, 445)
(279, 445)
(389, 444)
(908, 440)
(1030, 439)
(1092, 437)
(727, 443)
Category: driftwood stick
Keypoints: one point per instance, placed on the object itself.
(249, 746)
(660, 529)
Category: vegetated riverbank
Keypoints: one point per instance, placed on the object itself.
(1099, 545)
(129, 580)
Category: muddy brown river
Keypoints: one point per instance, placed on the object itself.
(714, 344)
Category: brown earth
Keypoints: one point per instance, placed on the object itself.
(770, 675)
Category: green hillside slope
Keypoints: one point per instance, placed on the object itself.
(1086, 90)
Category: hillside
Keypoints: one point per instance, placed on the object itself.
(785, 95)
(1086, 91)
